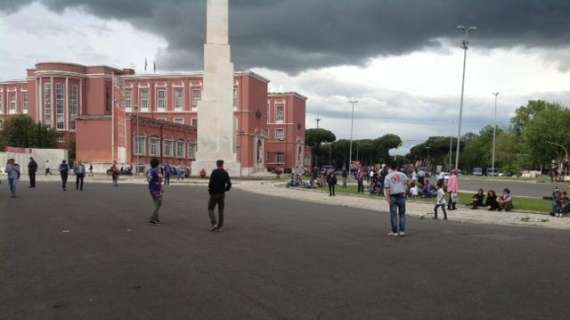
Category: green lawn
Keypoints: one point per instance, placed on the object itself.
(520, 203)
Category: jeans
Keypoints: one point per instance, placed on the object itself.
(216, 199)
(64, 181)
(12, 184)
(32, 179)
(157, 199)
(79, 182)
(442, 206)
(398, 208)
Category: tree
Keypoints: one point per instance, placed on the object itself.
(315, 137)
(21, 131)
(525, 114)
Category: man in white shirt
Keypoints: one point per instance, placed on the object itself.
(395, 188)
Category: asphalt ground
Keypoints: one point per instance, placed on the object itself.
(91, 255)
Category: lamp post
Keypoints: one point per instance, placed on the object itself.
(465, 46)
(353, 102)
(496, 94)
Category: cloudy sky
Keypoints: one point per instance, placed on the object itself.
(401, 59)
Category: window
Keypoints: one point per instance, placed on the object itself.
(1, 103)
(161, 99)
(168, 148)
(179, 120)
(191, 151)
(140, 146)
(12, 108)
(178, 99)
(280, 133)
(236, 98)
(59, 106)
(60, 140)
(154, 146)
(195, 123)
(144, 107)
(47, 105)
(279, 113)
(73, 105)
(25, 102)
(180, 149)
(128, 96)
(1, 124)
(196, 96)
(280, 157)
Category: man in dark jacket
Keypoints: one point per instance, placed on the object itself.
(219, 184)
(64, 172)
(32, 169)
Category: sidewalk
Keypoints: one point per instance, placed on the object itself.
(421, 210)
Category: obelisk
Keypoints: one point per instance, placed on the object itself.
(216, 132)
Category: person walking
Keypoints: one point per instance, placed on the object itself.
(395, 189)
(79, 171)
(155, 188)
(13, 172)
(453, 190)
(48, 172)
(115, 174)
(167, 173)
(91, 169)
(32, 169)
(64, 173)
(220, 183)
(440, 203)
(332, 181)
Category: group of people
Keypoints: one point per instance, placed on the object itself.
(492, 201)
(560, 203)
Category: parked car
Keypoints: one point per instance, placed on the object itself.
(493, 173)
(478, 171)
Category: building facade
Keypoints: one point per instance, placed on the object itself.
(117, 115)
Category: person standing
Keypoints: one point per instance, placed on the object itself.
(155, 188)
(13, 173)
(32, 169)
(332, 181)
(167, 172)
(344, 178)
(395, 189)
(360, 180)
(220, 183)
(115, 174)
(91, 169)
(79, 171)
(64, 173)
(48, 172)
(453, 190)
(440, 203)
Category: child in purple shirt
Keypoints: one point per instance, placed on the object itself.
(155, 187)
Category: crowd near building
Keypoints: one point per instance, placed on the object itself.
(118, 115)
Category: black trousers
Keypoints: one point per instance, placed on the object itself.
(331, 189)
(360, 187)
(217, 199)
(32, 179)
(79, 182)
(64, 181)
(442, 206)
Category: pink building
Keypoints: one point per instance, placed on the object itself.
(99, 106)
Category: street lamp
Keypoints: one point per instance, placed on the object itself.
(496, 94)
(465, 46)
(353, 102)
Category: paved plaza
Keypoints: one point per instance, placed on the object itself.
(92, 255)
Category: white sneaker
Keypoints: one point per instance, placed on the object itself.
(393, 234)
(402, 234)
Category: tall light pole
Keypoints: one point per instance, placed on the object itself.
(318, 120)
(353, 102)
(496, 94)
(465, 46)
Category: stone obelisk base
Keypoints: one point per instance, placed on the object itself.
(232, 167)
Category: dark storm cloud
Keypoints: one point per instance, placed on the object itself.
(294, 35)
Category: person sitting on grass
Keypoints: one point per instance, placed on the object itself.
(505, 201)
(414, 190)
(478, 200)
(428, 190)
(491, 201)
(565, 203)
(556, 203)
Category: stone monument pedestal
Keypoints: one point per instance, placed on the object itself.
(233, 167)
